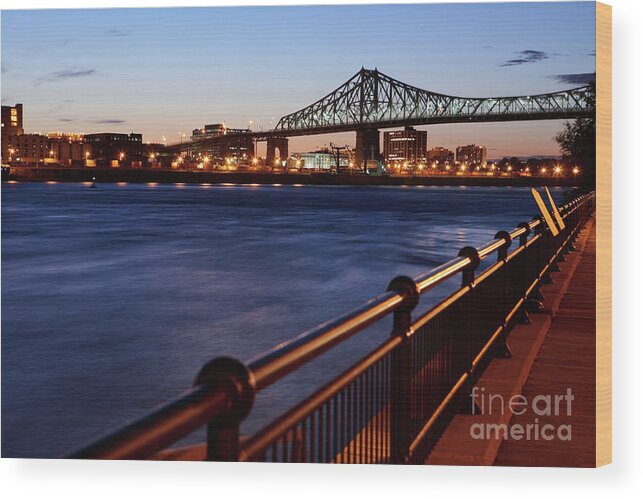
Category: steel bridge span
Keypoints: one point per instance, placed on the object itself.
(371, 100)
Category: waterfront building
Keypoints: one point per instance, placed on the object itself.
(68, 148)
(209, 131)
(27, 148)
(11, 126)
(323, 160)
(226, 145)
(471, 154)
(12, 120)
(408, 145)
(156, 155)
(105, 148)
(440, 155)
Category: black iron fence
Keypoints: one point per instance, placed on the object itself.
(393, 404)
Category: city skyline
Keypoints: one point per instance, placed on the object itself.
(165, 71)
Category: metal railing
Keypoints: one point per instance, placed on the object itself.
(393, 404)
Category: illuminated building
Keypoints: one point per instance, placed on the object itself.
(29, 148)
(11, 126)
(68, 148)
(323, 159)
(440, 155)
(407, 145)
(471, 154)
(12, 120)
(221, 143)
(105, 148)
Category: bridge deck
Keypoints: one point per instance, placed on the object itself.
(567, 359)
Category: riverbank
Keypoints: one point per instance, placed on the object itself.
(32, 174)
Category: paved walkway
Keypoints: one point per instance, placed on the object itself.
(566, 360)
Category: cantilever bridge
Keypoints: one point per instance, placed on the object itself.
(374, 100)
(371, 100)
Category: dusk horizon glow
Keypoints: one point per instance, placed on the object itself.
(166, 71)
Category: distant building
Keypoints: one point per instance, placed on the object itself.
(234, 144)
(68, 148)
(471, 154)
(157, 154)
(12, 120)
(11, 126)
(216, 130)
(323, 159)
(29, 148)
(405, 145)
(107, 147)
(440, 155)
(209, 131)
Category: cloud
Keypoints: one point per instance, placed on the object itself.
(66, 74)
(117, 32)
(526, 57)
(575, 78)
(109, 122)
(66, 120)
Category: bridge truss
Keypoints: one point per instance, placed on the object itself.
(371, 99)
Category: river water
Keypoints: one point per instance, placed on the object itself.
(113, 298)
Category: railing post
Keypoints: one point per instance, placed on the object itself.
(465, 325)
(225, 373)
(504, 250)
(401, 385)
(524, 315)
(468, 273)
(502, 349)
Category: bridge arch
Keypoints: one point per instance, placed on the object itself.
(276, 147)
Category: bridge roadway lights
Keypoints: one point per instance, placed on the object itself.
(367, 146)
(272, 144)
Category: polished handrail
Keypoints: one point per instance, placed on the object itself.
(290, 355)
(211, 399)
(161, 427)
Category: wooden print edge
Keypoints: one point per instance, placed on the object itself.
(603, 234)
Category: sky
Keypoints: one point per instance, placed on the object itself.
(166, 71)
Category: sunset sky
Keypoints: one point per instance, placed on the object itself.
(170, 70)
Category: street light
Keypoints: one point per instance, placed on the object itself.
(121, 156)
(576, 170)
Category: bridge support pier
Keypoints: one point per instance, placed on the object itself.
(367, 147)
(272, 145)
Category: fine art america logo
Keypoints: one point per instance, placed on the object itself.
(548, 422)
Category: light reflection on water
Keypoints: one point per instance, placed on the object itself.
(113, 298)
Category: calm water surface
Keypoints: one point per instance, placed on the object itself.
(113, 298)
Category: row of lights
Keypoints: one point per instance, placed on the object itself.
(229, 161)
(557, 169)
